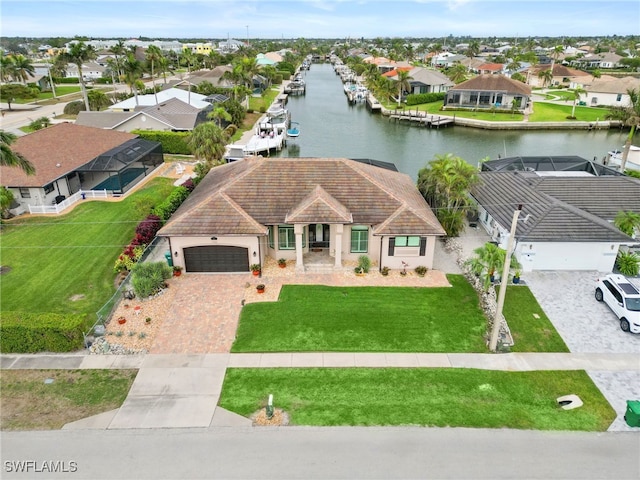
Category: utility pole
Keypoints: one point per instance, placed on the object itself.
(495, 332)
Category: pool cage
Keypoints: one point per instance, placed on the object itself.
(120, 168)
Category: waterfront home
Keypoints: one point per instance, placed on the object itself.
(561, 226)
(133, 103)
(171, 115)
(488, 92)
(611, 91)
(331, 209)
(69, 158)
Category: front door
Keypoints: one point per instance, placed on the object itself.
(319, 234)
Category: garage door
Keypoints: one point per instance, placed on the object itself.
(216, 258)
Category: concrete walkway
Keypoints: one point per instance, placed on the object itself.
(179, 391)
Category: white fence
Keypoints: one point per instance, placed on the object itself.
(67, 202)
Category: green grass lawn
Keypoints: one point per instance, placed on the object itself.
(30, 404)
(487, 116)
(551, 112)
(531, 328)
(365, 319)
(430, 397)
(53, 258)
(264, 101)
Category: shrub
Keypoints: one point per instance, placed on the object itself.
(148, 278)
(172, 142)
(66, 80)
(25, 332)
(385, 271)
(628, 263)
(421, 270)
(189, 185)
(148, 228)
(40, 123)
(419, 98)
(364, 263)
(73, 108)
(171, 203)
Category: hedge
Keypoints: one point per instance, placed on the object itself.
(172, 142)
(66, 80)
(171, 203)
(24, 332)
(419, 98)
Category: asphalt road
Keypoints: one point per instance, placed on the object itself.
(327, 453)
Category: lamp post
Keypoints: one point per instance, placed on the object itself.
(495, 331)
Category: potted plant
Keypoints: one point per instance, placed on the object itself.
(260, 288)
(385, 271)
(421, 270)
(403, 272)
(177, 270)
(122, 320)
(282, 262)
(147, 320)
(516, 276)
(255, 269)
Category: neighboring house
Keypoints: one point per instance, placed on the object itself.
(424, 80)
(338, 209)
(213, 76)
(446, 60)
(598, 60)
(489, 91)
(566, 222)
(565, 76)
(198, 48)
(611, 91)
(190, 98)
(69, 158)
(172, 115)
(490, 68)
(472, 64)
(230, 45)
(90, 71)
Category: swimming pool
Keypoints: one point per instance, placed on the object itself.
(126, 177)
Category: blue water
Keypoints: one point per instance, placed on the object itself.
(330, 127)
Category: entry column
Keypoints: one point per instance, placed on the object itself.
(298, 229)
(338, 245)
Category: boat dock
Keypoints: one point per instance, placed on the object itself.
(422, 118)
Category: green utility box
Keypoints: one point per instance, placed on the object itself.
(632, 415)
(167, 255)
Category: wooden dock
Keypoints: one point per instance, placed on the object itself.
(421, 118)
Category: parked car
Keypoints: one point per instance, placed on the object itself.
(623, 298)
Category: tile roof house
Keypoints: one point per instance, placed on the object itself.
(191, 98)
(489, 91)
(611, 91)
(566, 222)
(333, 208)
(170, 115)
(562, 75)
(69, 158)
(424, 80)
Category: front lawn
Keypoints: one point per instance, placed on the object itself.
(30, 404)
(64, 264)
(531, 328)
(552, 112)
(365, 319)
(437, 397)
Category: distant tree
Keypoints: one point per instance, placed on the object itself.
(519, 77)
(10, 158)
(457, 73)
(119, 51)
(98, 100)
(78, 54)
(630, 116)
(132, 73)
(207, 141)
(546, 76)
(576, 97)
(403, 83)
(153, 56)
(19, 68)
(473, 50)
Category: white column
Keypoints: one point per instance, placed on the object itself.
(338, 245)
(298, 229)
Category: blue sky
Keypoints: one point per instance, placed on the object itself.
(314, 18)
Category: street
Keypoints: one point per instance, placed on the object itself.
(328, 453)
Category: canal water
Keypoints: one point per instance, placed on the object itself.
(330, 127)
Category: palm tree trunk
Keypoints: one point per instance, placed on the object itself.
(627, 148)
(83, 87)
(153, 84)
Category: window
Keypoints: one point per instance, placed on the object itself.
(407, 241)
(48, 188)
(286, 237)
(359, 239)
(25, 192)
(618, 97)
(270, 236)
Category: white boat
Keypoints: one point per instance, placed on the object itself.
(614, 158)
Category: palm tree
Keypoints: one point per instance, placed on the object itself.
(219, 114)
(78, 54)
(20, 67)
(556, 52)
(546, 76)
(403, 83)
(576, 96)
(489, 258)
(457, 73)
(9, 158)
(132, 73)
(164, 66)
(445, 185)
(189, 59)
(627, 222)
(207, 141)
(118, 51)
(154, 54)
(6, 199)
(473, 50)
(5, 68)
